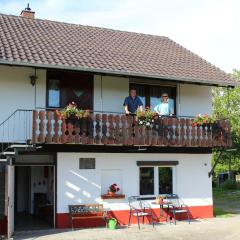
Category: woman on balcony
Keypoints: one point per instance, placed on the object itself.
(165, 107)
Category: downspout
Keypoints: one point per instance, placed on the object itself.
(101, 96)
(35, 89)
(178, 99)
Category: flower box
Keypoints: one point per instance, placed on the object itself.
(113, 196)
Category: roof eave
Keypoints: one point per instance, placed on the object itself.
(120, 72)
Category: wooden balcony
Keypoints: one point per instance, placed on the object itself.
(122, 130)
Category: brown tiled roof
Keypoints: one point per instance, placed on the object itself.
(47, 43)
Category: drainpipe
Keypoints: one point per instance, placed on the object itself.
(179, 102)
(35, 89)
(101, 96)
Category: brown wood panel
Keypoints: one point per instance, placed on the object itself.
(56, 128)
(34, 126)
(49, 116)
(124, 130)
(41, 137)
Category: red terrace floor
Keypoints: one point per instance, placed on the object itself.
(62, 219)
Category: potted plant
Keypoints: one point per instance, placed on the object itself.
(145, 117)
(203, 120)
(72, 114)
(113, 189)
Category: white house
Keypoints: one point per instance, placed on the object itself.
(50, 165)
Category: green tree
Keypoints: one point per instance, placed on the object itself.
(226, 104)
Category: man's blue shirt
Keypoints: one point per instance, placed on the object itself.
(132, 103)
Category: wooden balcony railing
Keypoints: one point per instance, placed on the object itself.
(122, 130)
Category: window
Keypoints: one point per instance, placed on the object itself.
(87, 163)
(53, 93)
(151, 95)
(156, 180)
(146, 180)
(165, 180)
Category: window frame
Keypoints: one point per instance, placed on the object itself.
(156, 180)
(53, 75)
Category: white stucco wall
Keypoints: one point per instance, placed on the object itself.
(111, 97)
(194, 99)
(75, 186)
(16, 92)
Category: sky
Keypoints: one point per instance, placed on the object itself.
(209, 28)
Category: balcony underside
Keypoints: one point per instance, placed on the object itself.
(121, 130)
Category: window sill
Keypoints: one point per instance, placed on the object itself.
(116, 196)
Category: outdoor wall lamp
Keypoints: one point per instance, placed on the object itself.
(33, 79)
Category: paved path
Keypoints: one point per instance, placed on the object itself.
(210, 229)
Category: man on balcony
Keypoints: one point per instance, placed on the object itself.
(132, 102)
(165, 107)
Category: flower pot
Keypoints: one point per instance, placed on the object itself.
(72, 120)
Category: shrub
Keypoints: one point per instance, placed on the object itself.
(229, 184)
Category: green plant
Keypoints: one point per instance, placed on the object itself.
(203, 119)
(71, 111)
(218, 212)
(229, 184)
(146, 117)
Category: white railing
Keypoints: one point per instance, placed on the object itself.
(17, 128)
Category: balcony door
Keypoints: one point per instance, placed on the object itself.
(66, 87)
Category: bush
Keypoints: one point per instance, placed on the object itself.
(214, 184)
(229, 184)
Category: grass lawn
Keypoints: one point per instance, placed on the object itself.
(226, 202)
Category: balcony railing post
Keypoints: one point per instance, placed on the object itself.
(56, 128)
(49, 116)
(42, 126)
(34, 125)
